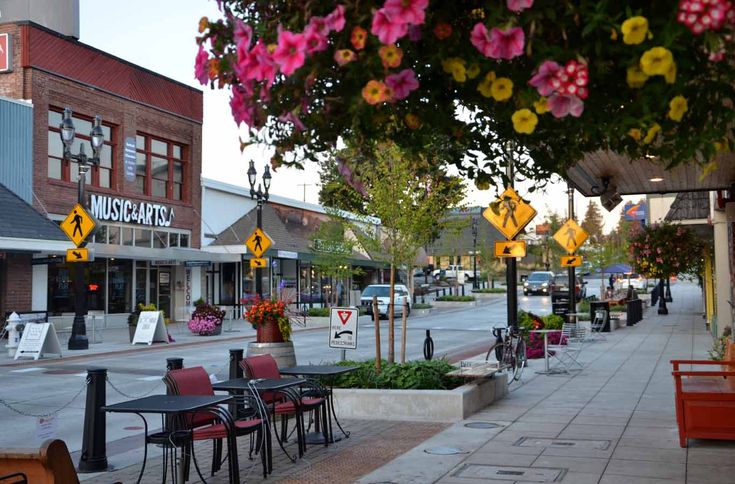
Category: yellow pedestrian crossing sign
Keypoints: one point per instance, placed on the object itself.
(571, 260)
(258, 243)
(77, 255)
(570, 236)
(78, 225)
(258, 263)
(510, 248)
(509, 213)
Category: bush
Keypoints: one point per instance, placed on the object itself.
(456, 298)
(584, 306)
(207, 311)
(491, 290)
(133, 317)
(318, 312)
(553, 321)
(412, 375)
(422, 306)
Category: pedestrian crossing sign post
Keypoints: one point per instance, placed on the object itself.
(258, 263)
(509, 213)
(571, 260)
(571, 236)
(78, 225)
(510, 248)
(258, 243)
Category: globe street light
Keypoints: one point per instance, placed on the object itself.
(261, 196)
(78, 339)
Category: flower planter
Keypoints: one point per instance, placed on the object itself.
(217, 330)
(269, 333)
(282, 352)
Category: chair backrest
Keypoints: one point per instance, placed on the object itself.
(51, 464)
(261, 366)
(567, 330)
(191, 381)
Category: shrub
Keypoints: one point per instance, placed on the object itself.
(412, 375)
(456, 298)
(553, 321)
(133, 317)
(491, 290)
(318, 312)
(422, 306)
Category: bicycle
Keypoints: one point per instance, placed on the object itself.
(510, 351)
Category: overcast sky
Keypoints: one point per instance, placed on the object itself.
(159, 35)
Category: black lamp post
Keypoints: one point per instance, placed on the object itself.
(474, 253)
(78, 339)
(262, 197)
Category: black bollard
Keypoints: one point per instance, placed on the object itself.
(174, 364)
(668, 290)
(463, 289)
(94, 437)
(235, 359)
(662, 309)
(428, 346)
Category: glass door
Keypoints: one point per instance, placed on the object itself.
(164, 291)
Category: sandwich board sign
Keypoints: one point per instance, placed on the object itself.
(151, 328)
(343, 328)
(38, 339)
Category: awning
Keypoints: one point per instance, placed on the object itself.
(13, 244)
(172, 253)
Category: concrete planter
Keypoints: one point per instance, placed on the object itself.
(420, 312)
(488, 295)
(419, 405)
(453, 304)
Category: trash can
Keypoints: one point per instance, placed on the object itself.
(598, 305)
(634, 311)
(560, 308)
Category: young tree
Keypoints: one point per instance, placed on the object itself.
(592, 222)
(411, 201)
(333, 250)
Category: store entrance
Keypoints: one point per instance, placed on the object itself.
(162, 290)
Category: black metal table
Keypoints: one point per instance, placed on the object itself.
(325, 373)
(178, 405)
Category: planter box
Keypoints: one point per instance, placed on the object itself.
(453, 304)
(489, 295)
(419, 405)
(420, 312)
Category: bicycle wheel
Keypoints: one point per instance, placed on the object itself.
(520, 359)
(498, 352)
(509, 360)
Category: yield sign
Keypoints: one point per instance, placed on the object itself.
(344, 316)
(343, 328)
(570, 236)
(509, 213)
(78, 225)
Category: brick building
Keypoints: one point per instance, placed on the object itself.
(146, 191)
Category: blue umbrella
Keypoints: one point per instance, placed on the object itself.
(621, 268)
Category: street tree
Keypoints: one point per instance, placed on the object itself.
(592, 222)
(332, 248)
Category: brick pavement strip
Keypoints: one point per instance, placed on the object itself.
(372, 443)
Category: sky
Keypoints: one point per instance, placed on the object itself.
(159, 35)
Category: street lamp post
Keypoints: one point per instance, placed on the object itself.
(261, 196)
(474, 253)
(78, 339)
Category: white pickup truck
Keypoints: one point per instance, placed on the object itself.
(453, 272)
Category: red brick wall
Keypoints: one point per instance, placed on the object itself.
(15, 289)
(11, 83)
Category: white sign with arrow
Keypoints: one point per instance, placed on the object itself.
(343, 328)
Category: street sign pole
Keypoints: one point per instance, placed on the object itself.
(571, 270)
(258, 270)
(78, 338)
(511, 277)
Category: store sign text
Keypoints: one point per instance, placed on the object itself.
(127, 211)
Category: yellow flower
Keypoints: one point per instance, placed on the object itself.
(456, 67)
(473, 71)
(613, 35)
(677, 107)
(708, 169)
(635, 77)
(390, 55)
(374, 92)
(485, 86)
(656, 61)
(501, 89)
(722, 146)
(651, 134)
(670, 75)
(635, 133)
(524, 121)
(541, 106)
(634, 30)
(490, 76)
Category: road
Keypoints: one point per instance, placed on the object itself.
(47, 385)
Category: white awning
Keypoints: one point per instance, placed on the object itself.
(34, 245)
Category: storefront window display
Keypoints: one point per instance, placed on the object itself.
(108, 284)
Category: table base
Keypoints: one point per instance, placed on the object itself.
(313, 438)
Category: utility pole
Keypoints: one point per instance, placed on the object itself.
(304, 185)
(571, 270)
(511, 276)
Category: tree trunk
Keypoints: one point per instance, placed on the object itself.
(376, 318)
(391, 318)
(403, 333)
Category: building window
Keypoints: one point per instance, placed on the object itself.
(159, 167)
(60, 169)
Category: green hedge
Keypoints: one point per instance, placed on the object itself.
(422, 306)
(412, 375)
(492, 290)
(318, 312)
(456, 298)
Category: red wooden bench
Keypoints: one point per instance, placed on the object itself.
(705, 398)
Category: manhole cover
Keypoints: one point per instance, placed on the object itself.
(508, 473)
(482, 425)
(444, 451)
(563, 443)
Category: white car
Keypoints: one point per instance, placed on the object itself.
(382, 291)
(636, 280)
(453, 272)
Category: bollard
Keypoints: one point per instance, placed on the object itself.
(174, 364)
(235, 359)
(94, 437)
(444, 292)
(423, 301)
(462, 289)
(668, 290)
(428, 346)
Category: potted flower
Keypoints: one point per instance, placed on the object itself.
(270, 320)
(206, 320)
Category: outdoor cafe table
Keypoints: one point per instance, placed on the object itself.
(174, 405)
(327, 374)
(238, 385)
(546, 332)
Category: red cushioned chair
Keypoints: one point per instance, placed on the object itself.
(286, 403)
(206, 426)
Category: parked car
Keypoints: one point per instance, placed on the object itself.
(538, 282)
(453, 272)
(635, 280)
(560, 287)
(382, 291)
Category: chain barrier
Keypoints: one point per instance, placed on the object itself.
(44, 415)
(126, 395)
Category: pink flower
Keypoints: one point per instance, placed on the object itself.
(242, 110)
(243, 33)
(407, 11)
(290, 117)
(562, 105)
(291, 51)
(201, 66)
(336, 19)
(387, 29)
(402, 83)
(320, 24)
(518, 5)
(542, 80)
(315, 40)
(480, 38)
(414, 33)
(506, 44)
(258, 64)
